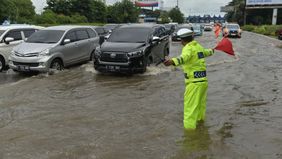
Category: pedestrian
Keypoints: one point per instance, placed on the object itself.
(193, 63)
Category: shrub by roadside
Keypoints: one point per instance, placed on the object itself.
(269, 30)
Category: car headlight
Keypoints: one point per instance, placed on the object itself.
(135, 54)
(44, 53)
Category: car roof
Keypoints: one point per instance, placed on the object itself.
(19, 26)
(66, 27)
(144, 25)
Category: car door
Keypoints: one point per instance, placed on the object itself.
(6, 48)
(70, 50)
(164, 41)
(83, 44)
(156, 51)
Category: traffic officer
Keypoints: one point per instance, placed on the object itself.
(193, 63)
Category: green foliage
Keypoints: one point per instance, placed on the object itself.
(176, 15)
(164, 17)
(49, 17)
(123, 12)
(93, 10)
(269, 30)
(248, 27)
(18, 11)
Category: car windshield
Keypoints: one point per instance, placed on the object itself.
(130, 35)
(1, 32)
(232, 26)
(46, 36)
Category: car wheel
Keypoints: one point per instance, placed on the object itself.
(92, 55)
(57, 64)
(2, 64)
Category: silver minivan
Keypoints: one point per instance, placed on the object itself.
(10, 36)
(54, 48)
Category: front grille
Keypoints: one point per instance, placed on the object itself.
(26, 55)
(26, 64)
(114, 57)
(233, 32)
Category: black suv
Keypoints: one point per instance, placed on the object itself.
(131, 48)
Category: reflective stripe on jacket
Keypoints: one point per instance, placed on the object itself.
(193, 61)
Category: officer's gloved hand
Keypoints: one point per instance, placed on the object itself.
(168, 61)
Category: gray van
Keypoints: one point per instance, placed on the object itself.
(54, 48)
(10, 36)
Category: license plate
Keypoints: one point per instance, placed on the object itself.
(23, 68)
(233, 34)
(113, 68)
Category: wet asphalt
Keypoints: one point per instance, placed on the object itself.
(81, 114)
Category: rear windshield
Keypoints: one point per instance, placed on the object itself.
(1, 32)
(130, 35)
(232, 26)
(46, 36)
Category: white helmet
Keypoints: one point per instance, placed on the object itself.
(182, 33)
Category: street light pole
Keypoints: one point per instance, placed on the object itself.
(177, 4)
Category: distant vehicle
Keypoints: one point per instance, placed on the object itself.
(174, 35)
(131, 48)
(279, 34)
(101, 31)
(54, 48)
(170, 28)
(10, 36)
(197, 30)
(111, 27)
(232, 30)
(208, 27)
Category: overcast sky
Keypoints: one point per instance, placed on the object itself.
(188, 7)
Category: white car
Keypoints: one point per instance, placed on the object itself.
(10, 36)
(208, 27)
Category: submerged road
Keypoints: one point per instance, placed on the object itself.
(80, 114)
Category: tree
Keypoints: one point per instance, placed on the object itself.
(59, 6)
(20, 11)
(25, 11)
(123, 12)
(164, 17)
(176, 15)
(93, 10)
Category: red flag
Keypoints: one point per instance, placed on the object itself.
(226, 46)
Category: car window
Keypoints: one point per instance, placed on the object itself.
(130, 35)
(71, 35)
(27, 33)
(100, 30)
(46, 36)
(162, 32)
(82, 35)
(157, 32)
(91, 33)
(15, 34)
(1, 32)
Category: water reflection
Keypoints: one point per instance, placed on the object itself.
(194, 144)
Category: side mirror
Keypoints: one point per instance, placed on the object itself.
(8, 40)
(156, 39)
(101, 40)
(66, 41)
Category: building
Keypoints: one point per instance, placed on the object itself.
(205, 19)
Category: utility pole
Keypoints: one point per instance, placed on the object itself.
(177, 4)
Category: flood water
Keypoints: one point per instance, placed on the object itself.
(81, 114)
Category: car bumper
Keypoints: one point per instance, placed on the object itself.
(117, 67)
(30, 64)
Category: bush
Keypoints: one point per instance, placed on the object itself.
(249, 27)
